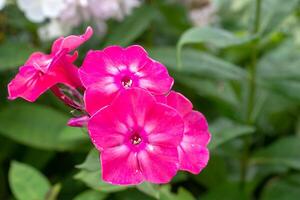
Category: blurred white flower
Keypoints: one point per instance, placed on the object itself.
(201, 12)
(75, 12)
(2, 4)
(38, 10)
(203, 16)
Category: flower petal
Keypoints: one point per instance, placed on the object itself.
(29, 84)
(71, 42)
(96, 98)
(155, 78)
(158, 164)
(164, 126)
(97, 66)
(120, 166)
(192, 157)
(179, 102)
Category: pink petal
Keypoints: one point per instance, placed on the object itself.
(135, 57)
(29, 84)
(164, 126)
(132, 105)
(158, 164)
(120, 166)
(96, 98)
(179, 102)
(196, 129)
(192, 157)
(71, 42)
(106, 130)
(155, 78)
(116, 55)
(97, 67)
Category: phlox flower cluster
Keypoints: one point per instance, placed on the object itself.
(143, 130)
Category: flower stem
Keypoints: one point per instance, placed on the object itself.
(252, 90)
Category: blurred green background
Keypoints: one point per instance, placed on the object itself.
(239, 63)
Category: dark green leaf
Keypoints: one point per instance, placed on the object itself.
(284, 151)
(90, 174)
(199, 63)
(149, 189)
(40, 127)
(132, 27)
(212, 36)
(91, 195)
(274, 12)
(224, 130)
(14, 54)
(286, 188)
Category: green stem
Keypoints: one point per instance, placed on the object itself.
(252, 90)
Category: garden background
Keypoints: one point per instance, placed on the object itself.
(237, 60)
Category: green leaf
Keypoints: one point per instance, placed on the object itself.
(132, 27)
(27, 183)
(14, 54)
(286, 188)
(224, 130)
(90, 174)
(199, 63)
(284, 151)
(92, 162)
(279, 70)
(274, 12)
(149, 189)
(213, 36)
(40, 127)
(226, 191)
(215, 173)
(166, 194)
(91, 195)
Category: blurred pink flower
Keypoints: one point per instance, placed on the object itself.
(42, 71)
(105, 73)
(138, 139)
(192, 151)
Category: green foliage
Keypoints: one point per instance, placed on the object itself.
(284, 151)
(243, 57)
(132, 27)
(90, 174)
(40, 127)
(27, 183)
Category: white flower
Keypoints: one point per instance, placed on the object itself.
(53, 29)
(38, 10)
(74, 12)
(2, 4)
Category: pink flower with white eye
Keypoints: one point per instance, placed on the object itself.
(138, 139)
(105, 73)
(42, 71)
(192, 151)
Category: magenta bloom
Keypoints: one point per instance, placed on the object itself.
(192, 151)
(138, 139)
(42, 71)
(105, 73)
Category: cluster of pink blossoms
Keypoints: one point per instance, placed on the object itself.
(142, 129)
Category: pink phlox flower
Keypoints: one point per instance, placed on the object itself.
(42, 71)
(192, 151)
(138, 138)
(105, 73)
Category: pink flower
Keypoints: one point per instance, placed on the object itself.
(192, 151)
(105, 73)
(42, 71)
(138, 139)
